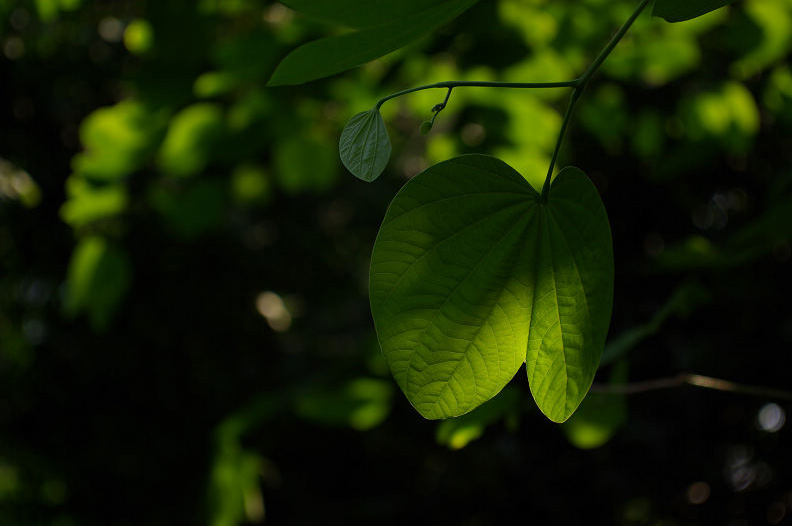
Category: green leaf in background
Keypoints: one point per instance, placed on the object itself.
(188, 146)
(457, 433)
(191, 210)
(361, 403)
(88, 202)
(305, 164)
(327, 56)
(685, 298)
(118, 140)
(97, 279)
(681, 10)
(237, 473)
(359, 13)
(470, 268)
(766, 234)
(139, 36)
(365, 146)
(600, 415)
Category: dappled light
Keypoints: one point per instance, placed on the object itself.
(299, 261)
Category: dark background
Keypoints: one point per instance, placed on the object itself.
(184, 326)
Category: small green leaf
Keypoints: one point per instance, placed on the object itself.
(471, 269)
(364, 145)
(426, 127)
(681, 10)
(327, 56)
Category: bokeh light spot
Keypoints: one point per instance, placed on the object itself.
(698, 493)
(771, 418)
(274, 310)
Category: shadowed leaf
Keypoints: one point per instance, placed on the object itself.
(327, 56)
(681, 10)
(359, 13)
(364, 145)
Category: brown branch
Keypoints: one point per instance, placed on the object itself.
(696, 380)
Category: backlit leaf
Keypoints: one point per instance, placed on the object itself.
(472, 275)
(364, 145)
(681, 10)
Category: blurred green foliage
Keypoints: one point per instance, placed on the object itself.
(152, 186)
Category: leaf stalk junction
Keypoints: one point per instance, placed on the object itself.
(577, 85)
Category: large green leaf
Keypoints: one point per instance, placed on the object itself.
(364, 145)
(473, 274)
(681, 10)
(331, 55)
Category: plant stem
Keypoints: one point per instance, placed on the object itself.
(567, 116)
(440, 107)
(480, 84)
(580, 85)
(612, 44)
(696, 380)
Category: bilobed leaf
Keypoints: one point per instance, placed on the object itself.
(472, 274)
(573, 296)
(681, 10)
(331, 55)
(364, 145)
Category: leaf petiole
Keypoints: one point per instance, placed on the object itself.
(580, 85)
(450, 84)
(440, 107)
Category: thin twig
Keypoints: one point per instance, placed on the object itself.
(695, 380)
